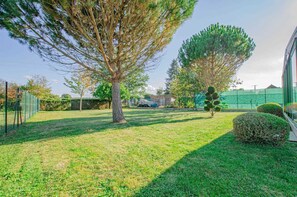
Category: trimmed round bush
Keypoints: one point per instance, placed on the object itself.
(271, 108)
(216, 102)
(215, 95)
(209, 98)
(217, 109)
(211, 90)
(261, 128)
(210, 105)
(206, 108)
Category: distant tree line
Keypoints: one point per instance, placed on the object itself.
(80, 84)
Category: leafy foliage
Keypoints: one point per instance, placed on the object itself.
(39, 86)
(184, 102)
(212, 102)
(11, 93)
(160, 91)
(190, 104)
(185, 84)
(172, 73)
(271, 108)
(104, 92)
(261, 128)
(136, 83)
(79, 84)
(66, 97)
(215, 54)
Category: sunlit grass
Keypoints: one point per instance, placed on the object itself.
(157, 153)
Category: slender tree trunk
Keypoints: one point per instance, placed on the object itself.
(109, 104)
(80, 103)
(117, 111)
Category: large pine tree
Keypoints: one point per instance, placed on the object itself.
(111, 38)
(215, 54)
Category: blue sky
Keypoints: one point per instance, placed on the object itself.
(269, 22)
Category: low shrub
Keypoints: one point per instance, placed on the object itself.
(185, 102)
(261, 128)
(271, 108)
(190, 104)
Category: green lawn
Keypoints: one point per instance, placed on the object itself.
(10, 121)
(157, 153)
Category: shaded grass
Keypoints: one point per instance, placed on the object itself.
(158, 153)
(228, 168)
(10, 121)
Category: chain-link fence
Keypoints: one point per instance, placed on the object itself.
(30, 105)
(16, 106)
(245, 99)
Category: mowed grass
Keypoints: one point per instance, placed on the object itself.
(157, 153)
(10, 121)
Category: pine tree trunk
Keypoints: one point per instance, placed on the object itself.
(117, 111)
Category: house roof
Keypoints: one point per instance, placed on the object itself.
(271, 86)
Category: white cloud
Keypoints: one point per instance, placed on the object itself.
(55, 81)
(150, 89)
(28, 77)
(261, 72)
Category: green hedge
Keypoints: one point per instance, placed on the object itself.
(261, 128)
(58, 105)
(73, 104)
(185, 102)
(271, 108)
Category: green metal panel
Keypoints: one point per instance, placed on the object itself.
(246, 99)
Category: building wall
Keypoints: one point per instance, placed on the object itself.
(161, 100)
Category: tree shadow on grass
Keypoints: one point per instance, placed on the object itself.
(67, 127)
(226, 167)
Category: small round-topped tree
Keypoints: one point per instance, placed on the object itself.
(212, 102)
